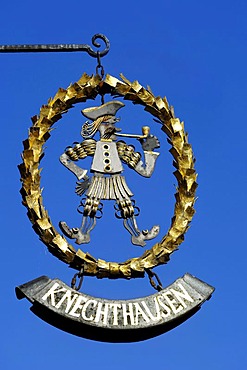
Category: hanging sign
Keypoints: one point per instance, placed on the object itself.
(112, 157)
(115, 320)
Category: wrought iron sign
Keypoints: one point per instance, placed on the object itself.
(54, 301)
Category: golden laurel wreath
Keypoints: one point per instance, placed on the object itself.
(88, 87)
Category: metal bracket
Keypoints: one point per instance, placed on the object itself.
(61, 47)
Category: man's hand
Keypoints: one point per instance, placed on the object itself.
(81, 187)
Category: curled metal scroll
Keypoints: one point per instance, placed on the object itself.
(61, 47)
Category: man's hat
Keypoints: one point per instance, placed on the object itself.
(106, 109)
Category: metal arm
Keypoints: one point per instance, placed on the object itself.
(61, 47)
(146, 169)
(79, 172)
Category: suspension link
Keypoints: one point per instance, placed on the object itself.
(152, 275)
(80, 276)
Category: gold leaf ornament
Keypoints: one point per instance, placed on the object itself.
(88, 87)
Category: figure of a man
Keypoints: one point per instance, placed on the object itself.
(107, 182)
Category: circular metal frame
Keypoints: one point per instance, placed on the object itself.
(88, 87)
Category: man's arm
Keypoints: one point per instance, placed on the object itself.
(77, 171)
(146, 169)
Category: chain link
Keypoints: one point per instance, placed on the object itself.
(100, 70)
(99, 66)
(79, 275)
(151, 275)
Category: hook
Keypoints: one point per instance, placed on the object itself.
(102, 53)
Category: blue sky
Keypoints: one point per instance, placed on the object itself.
(194, 53)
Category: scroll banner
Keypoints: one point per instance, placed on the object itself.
(115, 320)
